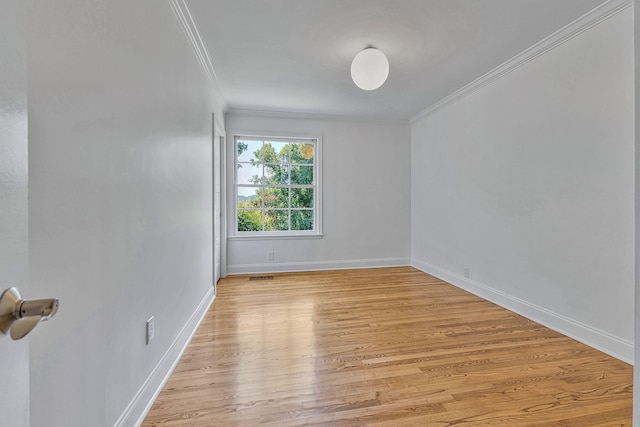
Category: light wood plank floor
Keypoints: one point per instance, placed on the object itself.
(383, 347)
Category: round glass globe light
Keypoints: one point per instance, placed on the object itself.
(369, 69)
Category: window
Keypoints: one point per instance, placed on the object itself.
(277, 186)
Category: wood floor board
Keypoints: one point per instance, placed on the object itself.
(383, 347)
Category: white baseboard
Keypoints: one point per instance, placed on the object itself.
(612, 345)
(141, 403)
(286, 267)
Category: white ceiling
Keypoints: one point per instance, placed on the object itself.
(295, 55)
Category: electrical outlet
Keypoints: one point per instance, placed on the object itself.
(151, 329)
(271, 256)
(466, 272)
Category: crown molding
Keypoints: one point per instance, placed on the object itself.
(590, 19)
(188, 24)
(250, 112)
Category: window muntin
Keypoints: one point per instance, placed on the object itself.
(276, 182)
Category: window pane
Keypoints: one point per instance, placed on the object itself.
(276, 152)
(249, 197)
(302, 197)
(276, 174)
(249, 151)
(301, 175)
(276, 220)
(276, 198)
(302, 153)
(249, 174)
(250, 220)
(302, 220)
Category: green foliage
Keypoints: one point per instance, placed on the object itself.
(242, 147)
(276, 220)
(250, 220)
(302, 197)
(249, 202)
(302, 220)
(276, 197)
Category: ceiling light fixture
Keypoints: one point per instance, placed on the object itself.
(369, 69)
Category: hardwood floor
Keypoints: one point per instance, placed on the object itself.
(383, 347)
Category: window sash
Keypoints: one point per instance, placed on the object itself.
(290, 165)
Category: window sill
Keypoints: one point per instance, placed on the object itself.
(277, 237)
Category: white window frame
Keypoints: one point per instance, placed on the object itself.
(317, 186)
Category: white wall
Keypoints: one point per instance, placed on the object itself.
(120, 200)
(636, 372)
(365, 203)
(529, 183)
(14, 355)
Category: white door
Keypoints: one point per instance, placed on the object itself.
(217, 229)
(14, 355)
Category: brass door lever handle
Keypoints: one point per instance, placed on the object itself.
(18, 316)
